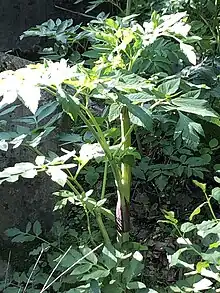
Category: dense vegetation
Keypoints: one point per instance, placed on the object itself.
(139, 157)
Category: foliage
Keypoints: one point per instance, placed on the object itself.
(80, 268)
(199, 247)
(127, 80)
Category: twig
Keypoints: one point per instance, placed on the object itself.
(74, 12)
(7, 269)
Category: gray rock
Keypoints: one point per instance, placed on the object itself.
(27, 199)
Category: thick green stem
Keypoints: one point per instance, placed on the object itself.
(97, 132)
(102, 228)
(123, 204)
(128, 7)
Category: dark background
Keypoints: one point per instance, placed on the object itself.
(17, 16)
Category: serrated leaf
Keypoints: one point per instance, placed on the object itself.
(37, 228)
(70, 104)
(11, 232)
(194, 106)
(188, 130)
(169, 87)
(142, 114)
(114, 111)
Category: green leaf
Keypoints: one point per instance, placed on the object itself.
(69, 259)
(187, 227)
(196, 211)
(216, 194)
(70, 137)
(96, 275)
(114, 111)
(108, 257)
(110, 288)
(60, 204)
(169, 87)
(91, 176)
(9, 110)
(213, 143)
(137, 172)
(201, 265)
(21, 238)
(81, 269)
(46, 110)
(141, 97)
(174, 259)
(142, 114)
(94, 287)
(202, 186)
(207, 228)
(62, 27)
(169, 215)
(212, 257)
(161, 181)
(133, 268)
(70, 104)
(11, 232)
(28, 227)
(92, 257)
(188, 130)
(37, 228)
(135, 285)
(195, 106)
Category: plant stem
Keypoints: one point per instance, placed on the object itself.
(104, 180)
(210, 206)
(102, 228)
(85, 209)
(97, 132)
(128, 7)
(123, 204)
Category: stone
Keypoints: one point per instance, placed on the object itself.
(27, 199)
